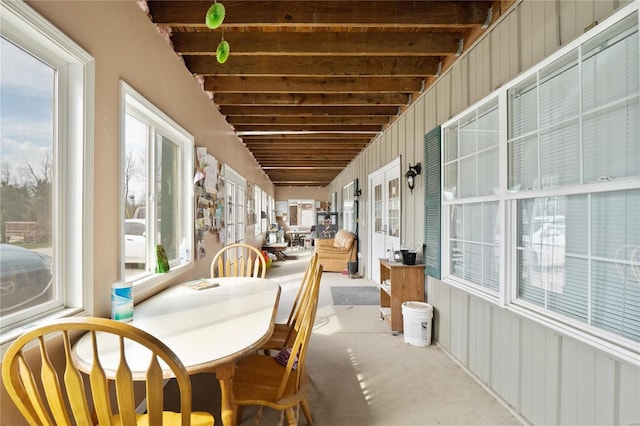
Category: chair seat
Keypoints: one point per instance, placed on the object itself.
(198, 418)
(257, 379)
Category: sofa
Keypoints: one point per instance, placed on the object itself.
(334, 253)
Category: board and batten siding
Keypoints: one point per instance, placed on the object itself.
(543, 375)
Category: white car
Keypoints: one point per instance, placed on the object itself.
(548, 245)
(134, 241)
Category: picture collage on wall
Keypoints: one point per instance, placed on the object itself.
(209, 193)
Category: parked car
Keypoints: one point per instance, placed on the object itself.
(548, 245)
(135, 241)
(25, 278)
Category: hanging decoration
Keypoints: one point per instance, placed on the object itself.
(222, 52)
(214, 18)
(215, 15)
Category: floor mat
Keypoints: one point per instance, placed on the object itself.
(357, 295)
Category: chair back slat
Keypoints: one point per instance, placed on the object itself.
(51, 386)
(99, 386)
(75, 386)
(36, 412)
(124, 388)
(154, 391)
(238, 260)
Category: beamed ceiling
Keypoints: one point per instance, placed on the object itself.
(309, 84)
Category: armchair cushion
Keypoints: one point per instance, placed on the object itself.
(334, 253)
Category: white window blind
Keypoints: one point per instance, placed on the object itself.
(577, 251)
(563, 210)
(471, 188)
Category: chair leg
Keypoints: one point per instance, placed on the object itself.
(291, 416)
(306, 410)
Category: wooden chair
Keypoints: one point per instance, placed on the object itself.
(42, 400)
(238, 260)
(264, 381)
(284, 333)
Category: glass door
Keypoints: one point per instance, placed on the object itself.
(385, 203)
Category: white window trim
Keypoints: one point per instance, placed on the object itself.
(476, 290)
(601, 339)
(240, 182)
(73, 181)
(146, 284)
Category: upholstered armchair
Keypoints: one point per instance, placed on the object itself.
(334, 253)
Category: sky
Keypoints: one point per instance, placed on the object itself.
(26, 97)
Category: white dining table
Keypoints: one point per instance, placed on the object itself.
(208, 329)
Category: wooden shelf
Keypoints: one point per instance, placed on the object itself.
(407, 284)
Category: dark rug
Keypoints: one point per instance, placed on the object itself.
(357, 295)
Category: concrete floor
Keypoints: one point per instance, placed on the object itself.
(364, 375)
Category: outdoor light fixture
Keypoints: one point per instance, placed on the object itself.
(411, 175)
(357, 194)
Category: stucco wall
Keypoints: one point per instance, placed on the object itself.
(127, 46)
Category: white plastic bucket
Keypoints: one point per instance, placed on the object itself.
(417, 323)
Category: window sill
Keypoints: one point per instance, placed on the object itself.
(151, 284)
(476, 291)
(596, 339)
(12, 334)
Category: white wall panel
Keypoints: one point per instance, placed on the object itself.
(551, 28)
(504, 51)
(439, 296)
(480, 331)
(480, 70)
(505, 354)
(628, 393)
(460, 325)
(443, 98)
(539, 374)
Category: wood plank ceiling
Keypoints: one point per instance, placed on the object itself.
(309, 84)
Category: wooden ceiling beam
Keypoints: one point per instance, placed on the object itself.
(319, 44)
(307, 110)
(424, 14)
(408, 66)
(333, 153)
(274, 160)
(277, 120)
(289, 84)
(308, 142)
(373, 129)
(311, 99)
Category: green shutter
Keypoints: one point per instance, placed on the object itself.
(432, 202)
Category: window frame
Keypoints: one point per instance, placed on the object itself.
(622, 347)
(145, 283)
(72, 182)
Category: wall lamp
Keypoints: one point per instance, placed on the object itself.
(357, 194)
(411, 175)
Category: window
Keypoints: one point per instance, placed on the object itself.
(46, 82)
(563, 205)
(236, 201)
(471, 198)
(348, 207)
(157, 194)
(257, 196)
(576, 135)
